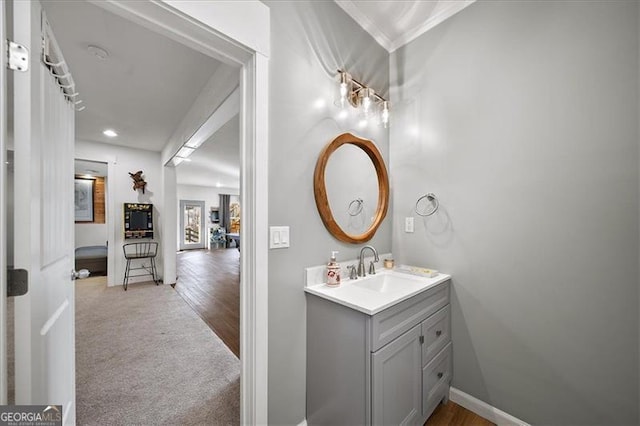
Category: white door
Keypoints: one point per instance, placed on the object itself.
(193, 233)
(44, 217)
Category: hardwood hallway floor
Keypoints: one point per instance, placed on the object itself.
(209, 281)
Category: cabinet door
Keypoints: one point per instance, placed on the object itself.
(396, 381)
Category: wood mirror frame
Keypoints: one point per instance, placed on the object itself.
(320, 190)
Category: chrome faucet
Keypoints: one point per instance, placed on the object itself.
(372, 269)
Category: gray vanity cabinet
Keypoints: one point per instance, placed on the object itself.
(397, 389)
(390, 368)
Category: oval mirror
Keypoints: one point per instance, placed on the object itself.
(351, 188)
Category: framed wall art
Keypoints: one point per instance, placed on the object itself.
(84, 199)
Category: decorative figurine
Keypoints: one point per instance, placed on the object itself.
(138, 181)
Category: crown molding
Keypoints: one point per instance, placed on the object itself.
(450, 9)
(363, 20)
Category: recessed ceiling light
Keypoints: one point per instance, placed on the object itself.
(98, 52)
(110, 133)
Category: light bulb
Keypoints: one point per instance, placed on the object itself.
(384, 114)
(366, 101)
(344, 88)
(366, 105)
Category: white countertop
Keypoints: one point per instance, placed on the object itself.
(375, 293)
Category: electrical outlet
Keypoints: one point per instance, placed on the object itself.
(408, 224)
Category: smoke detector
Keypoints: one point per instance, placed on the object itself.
(98, 52)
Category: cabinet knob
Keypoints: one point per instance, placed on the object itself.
(438, 333)
(440, 375)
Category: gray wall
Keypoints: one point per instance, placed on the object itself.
(523, 118)
(309, 42)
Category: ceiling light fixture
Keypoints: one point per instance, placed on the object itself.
(110, 133)
(185, 151)
(352, 92)
(182, 155)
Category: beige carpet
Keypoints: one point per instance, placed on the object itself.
(144, 357)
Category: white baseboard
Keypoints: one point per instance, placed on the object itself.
(483, 409)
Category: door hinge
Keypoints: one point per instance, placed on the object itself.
(421, 340)
(17, 282)
(17, 57)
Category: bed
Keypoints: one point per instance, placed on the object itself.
(93, 258)
(234, 236)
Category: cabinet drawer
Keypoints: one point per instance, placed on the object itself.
(437, 333)
(392, 322)
(436, 376)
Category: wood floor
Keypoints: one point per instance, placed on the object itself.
(209, 281)
(451, 414)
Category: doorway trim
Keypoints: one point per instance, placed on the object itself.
(3, 213)
(203, 233)
(110, 208)
(237, 33)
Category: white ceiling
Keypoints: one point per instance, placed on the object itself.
(216, 161)
(394, 23)
(148, 82)
(142, 90)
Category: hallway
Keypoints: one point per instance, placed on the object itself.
(144, 357)
(209, 281)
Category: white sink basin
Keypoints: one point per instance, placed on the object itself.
(386, 283)
(374, 293)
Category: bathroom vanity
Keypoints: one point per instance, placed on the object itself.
(378, 349)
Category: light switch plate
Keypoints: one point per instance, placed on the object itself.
(278, 237)
(408, 224)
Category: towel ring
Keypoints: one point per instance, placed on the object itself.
(431, 197)
(358, 207)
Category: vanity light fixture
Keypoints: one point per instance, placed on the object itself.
(354, 93)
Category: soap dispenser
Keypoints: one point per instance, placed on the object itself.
(333, 271)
